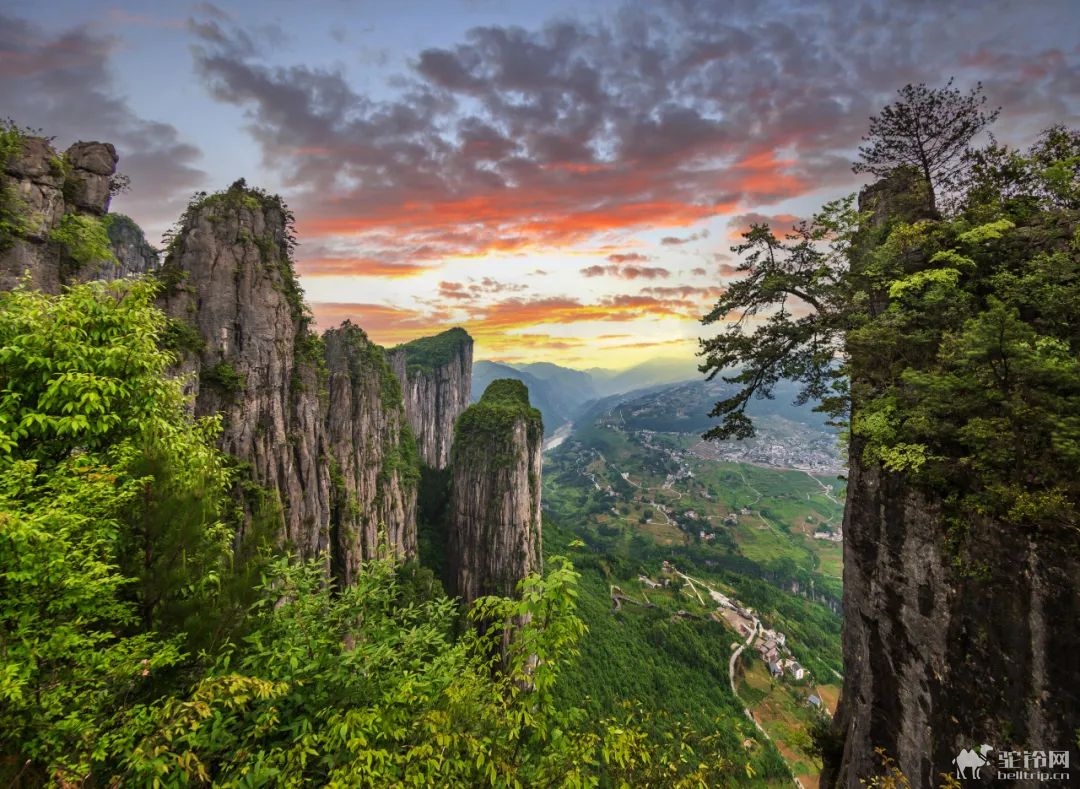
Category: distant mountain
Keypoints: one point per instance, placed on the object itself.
(576, 386)
(563, 394)
(683, 407)
(559, 393)
(544, 395)
(650, 373)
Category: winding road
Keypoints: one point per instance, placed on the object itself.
(731, 669)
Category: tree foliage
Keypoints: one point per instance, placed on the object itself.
(12, 210)
(94, 440)
(928, 129)
(785, 318)
(958, 334)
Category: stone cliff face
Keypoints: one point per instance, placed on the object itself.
(320, 421)
(134, 255)
(41, 187)
(229, 277)
(949, 647)
(376, 467)
(436, 378)
(494, 537)
(950, 640)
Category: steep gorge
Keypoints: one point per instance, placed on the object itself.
(328, 433)
(320, 420)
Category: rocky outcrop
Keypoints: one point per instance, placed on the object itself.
(436, 378)
(134, 255)
(375, 468)
(39, 187)
(91, 165)
(318, 423)
(228, 276)
(494, 537)
(957, 633)
(949, 645)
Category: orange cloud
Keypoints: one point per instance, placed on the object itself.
(626, 272)
(778, 223)
(358, 267)
(628, 257)
(384, 324)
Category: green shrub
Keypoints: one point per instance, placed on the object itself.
(84, 239)
(12, 218)
(223, 378)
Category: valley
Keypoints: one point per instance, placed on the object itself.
(735, 546)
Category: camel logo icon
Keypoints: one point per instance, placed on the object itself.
(971, 760)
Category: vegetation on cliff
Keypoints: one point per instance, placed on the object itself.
(12, 219)
(112, 544)
(958, 331)
(429, 353)
(275, 252)
(504, 402)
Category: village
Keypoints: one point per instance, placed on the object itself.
(770, 645)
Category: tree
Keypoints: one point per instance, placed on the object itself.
(797, 292)
(1047, 177)
(957, 337)
(928, 129)
(95, 437)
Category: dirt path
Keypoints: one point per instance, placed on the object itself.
(824, 489)
(731, 673)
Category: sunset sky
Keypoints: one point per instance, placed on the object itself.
(563, 179)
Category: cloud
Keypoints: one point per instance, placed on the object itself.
(475, 289)
(454, 290)
(385, 324)
(626, 272)
(629, 257)
(516, 139)
(673, 241)
(358, 267)
(63, 83)
(778, 223)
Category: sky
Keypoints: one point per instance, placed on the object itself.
(563, 179)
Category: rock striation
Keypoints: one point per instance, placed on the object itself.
(229, 279)
(317, 423)
(375, 467)
(436, 378)
(321, 428)
(494, 534)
